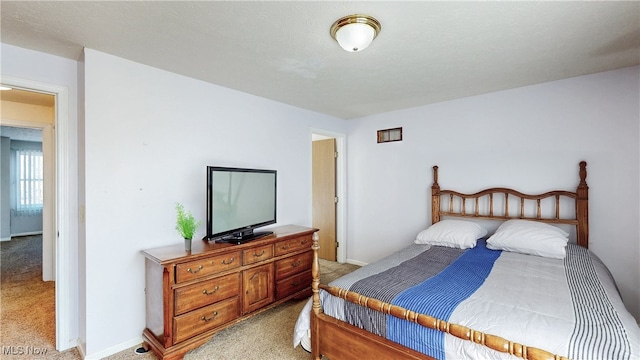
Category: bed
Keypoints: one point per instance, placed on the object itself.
(523, 291)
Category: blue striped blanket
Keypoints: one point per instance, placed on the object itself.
(568, 307)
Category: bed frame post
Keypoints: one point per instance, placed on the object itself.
(582, 207)
(316, 307)
(315, 275)
(435, 197)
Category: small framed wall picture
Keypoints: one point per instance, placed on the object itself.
(389, 135)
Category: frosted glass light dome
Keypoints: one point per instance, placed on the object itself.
(355, 32)
(355, 37)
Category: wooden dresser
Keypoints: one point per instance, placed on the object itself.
(192, 295)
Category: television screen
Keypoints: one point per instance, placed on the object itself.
(238, 201)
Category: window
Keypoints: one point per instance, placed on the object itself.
(29, 182)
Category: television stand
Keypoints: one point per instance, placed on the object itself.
(192, 295)
(242, 238)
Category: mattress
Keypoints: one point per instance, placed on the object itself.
(569, 307)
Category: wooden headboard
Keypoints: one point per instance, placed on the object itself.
(455, 204)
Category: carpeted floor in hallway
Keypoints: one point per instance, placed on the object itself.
(27, 304)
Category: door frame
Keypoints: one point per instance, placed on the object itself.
(61, 205)
(341, 189)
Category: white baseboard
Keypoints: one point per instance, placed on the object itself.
(356, 262)
(28, 233)
(80, 347)
(112, 350)
(21, 234)
(73, 343)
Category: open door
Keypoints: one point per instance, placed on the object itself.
(324, 196)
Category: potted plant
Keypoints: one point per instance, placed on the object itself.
(186, 225)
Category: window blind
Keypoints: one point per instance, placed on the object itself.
(29, 181)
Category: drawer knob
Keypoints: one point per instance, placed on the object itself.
(206, 319)
(206, 292)
(225, 262)
(190, 270)
(255, 254)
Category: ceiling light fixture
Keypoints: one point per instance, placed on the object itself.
(355, 32)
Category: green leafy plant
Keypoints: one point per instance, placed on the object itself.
(186, 224)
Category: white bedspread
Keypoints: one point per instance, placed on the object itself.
(527, 299)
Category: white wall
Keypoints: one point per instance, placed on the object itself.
(53, 70)
(530, 138)
(149, 135)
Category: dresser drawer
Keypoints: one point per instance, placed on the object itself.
(293, 284)
(206, 318)
(293, 245)
(204, 267)
(258, 254)
(206, 292)
(293, 265)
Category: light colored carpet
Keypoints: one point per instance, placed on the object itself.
(28, 316)
(27, 304)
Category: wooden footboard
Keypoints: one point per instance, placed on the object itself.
(341, 340)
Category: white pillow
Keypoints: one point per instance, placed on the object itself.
(530, 237)
(452, 233)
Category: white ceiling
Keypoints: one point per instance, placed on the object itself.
(426, 52)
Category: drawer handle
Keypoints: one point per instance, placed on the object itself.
(285, 247)
(205, 319)
(255, 254)
(305, 241)
(206, 292)
(296, 283)
(225, 262)
(189, 270)
(296, 264)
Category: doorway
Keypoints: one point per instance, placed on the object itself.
(29, 232)
(57, 208)
(329, 193)
(28, 122)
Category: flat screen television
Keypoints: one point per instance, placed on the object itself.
(238, 202)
